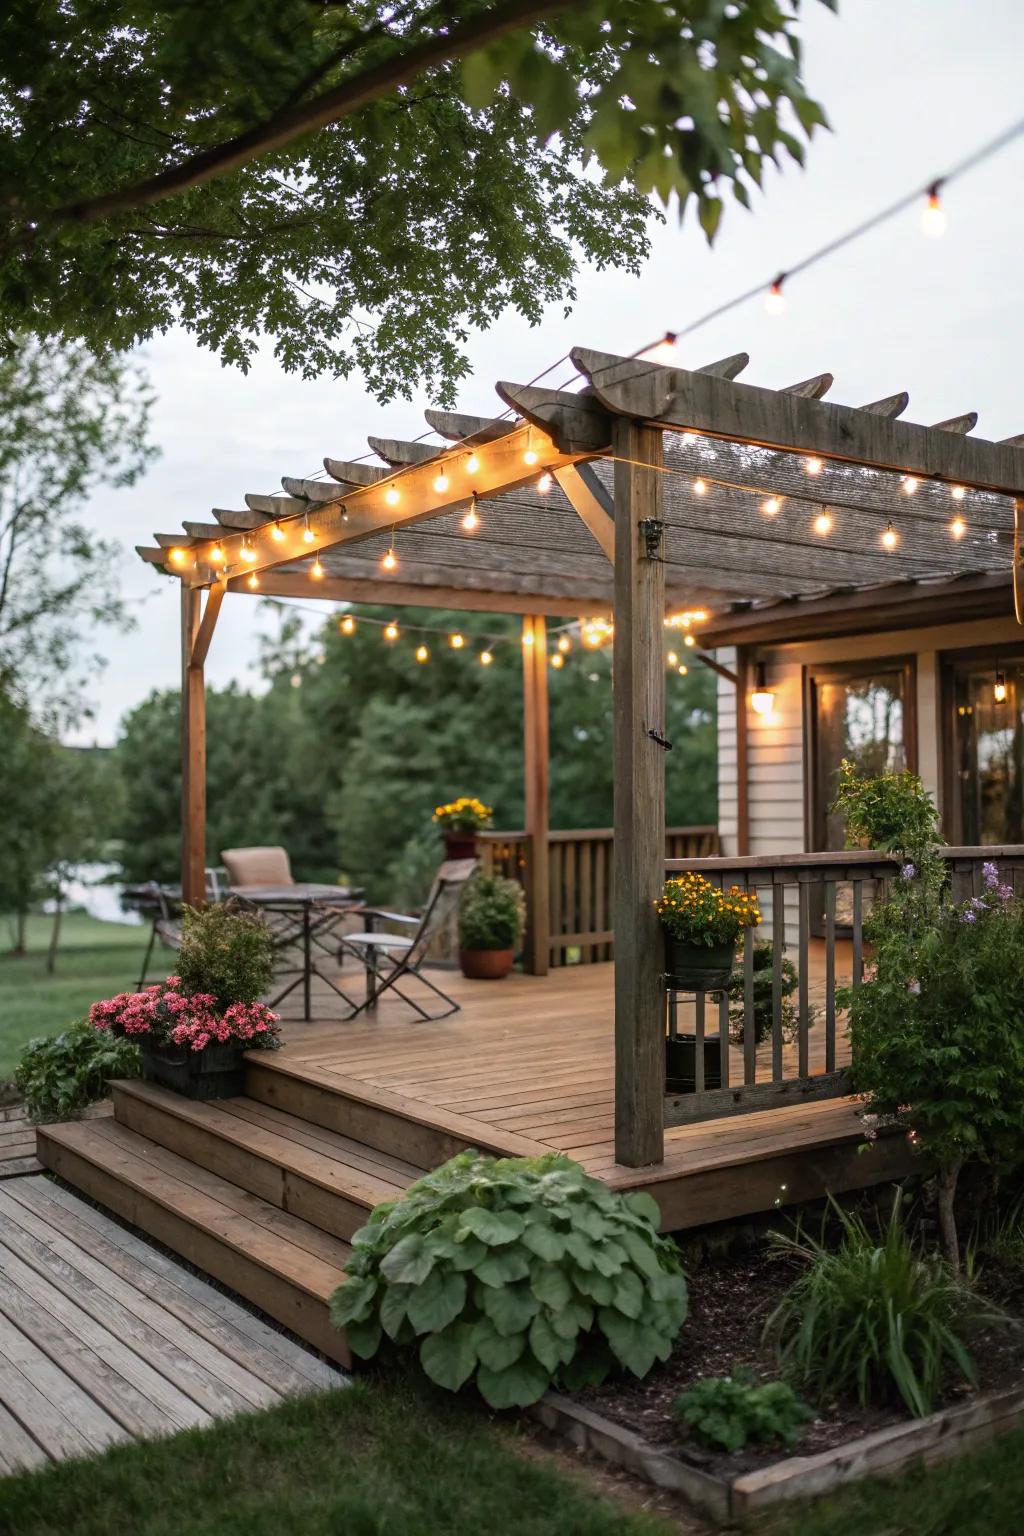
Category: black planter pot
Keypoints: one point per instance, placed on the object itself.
(681, 1064)
(696, 967)
(218, 1072)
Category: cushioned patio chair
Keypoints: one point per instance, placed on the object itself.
(391, 958)
(257, 866)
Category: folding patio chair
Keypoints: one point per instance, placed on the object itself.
(390, 958)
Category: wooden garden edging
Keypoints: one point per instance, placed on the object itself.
(939, 1437)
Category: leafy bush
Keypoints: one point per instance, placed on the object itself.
(763, 961)
(225, 953)
(892, 812)
(731, 1411)
(873, 1318)
(59, 1075)
(491, 913)
(519, 1271)
(696, 912)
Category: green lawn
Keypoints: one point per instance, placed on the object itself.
(95, 960)
(364, 1461)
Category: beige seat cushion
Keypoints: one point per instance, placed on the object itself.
(257, 866)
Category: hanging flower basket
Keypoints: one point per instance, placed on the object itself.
(698, 967)
(702, 925)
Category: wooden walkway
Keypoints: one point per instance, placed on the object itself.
(103, 1339)
(17, 1143)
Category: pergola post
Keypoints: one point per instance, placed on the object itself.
(639, 768)
(537, 796)
(193, 752)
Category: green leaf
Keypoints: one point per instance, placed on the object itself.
(364, 1338)
(641, 1253)
(502, 1265)
(496, 1350)
(510, 1308)
(392, 1308)
(633, 1345)
(352, 1301)
(550, 1286)
(495, 1228)
(409, 1262)
(544, 1241)
(709, 212)
(437, 1302)
(645, 1205)
(629, 1293)
(547, 1346)
(449, 1357)
(517, 1386)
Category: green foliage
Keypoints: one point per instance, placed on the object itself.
(892, 812)
(516, 1273)
(448, 195)
(226, 953)
(492, 913)
(70, 424)
(874, 1317)
(763, 963)
(733, 1411)
(61, 1074)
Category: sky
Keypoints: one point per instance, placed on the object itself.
(910, 88)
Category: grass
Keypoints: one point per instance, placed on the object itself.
(95, 960)
(371, 1460)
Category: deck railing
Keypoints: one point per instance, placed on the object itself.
(813, 907)
(580, 882)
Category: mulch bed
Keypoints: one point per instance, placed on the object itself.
(730, 1300)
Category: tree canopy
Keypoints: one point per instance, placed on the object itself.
(365, 182)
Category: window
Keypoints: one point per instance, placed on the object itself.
(864, 712)
(984, 741)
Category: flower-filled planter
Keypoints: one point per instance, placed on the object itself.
(460, 821)
(194, 1029)
(491, 917)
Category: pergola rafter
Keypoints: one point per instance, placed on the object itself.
(662, 486)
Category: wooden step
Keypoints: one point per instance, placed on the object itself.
(283, 1265)
(407, 1128)
(320, 1176)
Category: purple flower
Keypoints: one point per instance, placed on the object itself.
(978, 903)
(968, 916)
(908, 872)
(991, 874)
(1004, 892)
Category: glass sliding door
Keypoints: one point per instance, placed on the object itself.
(985, 773)
(863, 712)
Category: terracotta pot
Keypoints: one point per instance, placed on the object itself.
(697, 967)
(216, 1073)
(459, 845)
(486, 964)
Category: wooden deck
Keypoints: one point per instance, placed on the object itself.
(103, 1339)
(17, 1143)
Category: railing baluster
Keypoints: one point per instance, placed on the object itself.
(830, 975)
(804, 964)
(698, 1055)
(749, 1023)
(778, 943)
(858, 933)
(723, 1033)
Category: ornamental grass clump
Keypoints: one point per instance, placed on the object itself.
(514, 1273)
(874, 1318)
(694, 911)
(466, 814)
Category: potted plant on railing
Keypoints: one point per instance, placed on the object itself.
(491, 917)
(460, 821)
(701, 924)
(194, 1028)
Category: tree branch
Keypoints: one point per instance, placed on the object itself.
(327, 108)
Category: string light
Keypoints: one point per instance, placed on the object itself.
(683, 669)
(471, 521)
(178, 556)
(347, 625)
(689, 640)
(472, 464)
(999, 691)
(253, 581)
(775, 299)
(665, 350)
(392, 496)
(544, 483)
(557, 660)
(422, 654)
(933, 216)
(486, 658)
(909, 484)
(564, 644)
(248, 550)
(316, 570)
(527, 636)
(391, 631)
(700, 487)
(772, 507)
(672, 659)
(813, 465)
(958, 528)
(277, 533)
(530, 456)
(456, 641)
(890, 538)
(958, 492)
(441, 483)
(217, 555)
(389, 561)
(823, 523)
(308, 535)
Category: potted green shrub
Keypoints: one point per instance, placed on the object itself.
(763, 967)
(491, 917)
(193, 1029)
(460, 821)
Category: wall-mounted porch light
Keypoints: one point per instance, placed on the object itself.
(762, 698)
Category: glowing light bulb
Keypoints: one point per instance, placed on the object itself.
(527, 636)
(933, 215)
(530, 456)
(673, 659)
(890, 538)
(958, 492)
(308, 536)
(316, 570)
(422, 654)
(683, 669)
(762, 698)
(700, 487)
(456, 641)
(248, 551)
(999, 690)
(958, 528)
(178, 556)
(471, 521)
(564, 644)
(389, 561)
(392, 496)
(217, 555)
(472, 464)
(253, 581)
(813, 465)
(347, 625)
(557, 660)
(391, 631)
(689, 640)
(486, 658)
(775, 299)
(909, 484)
(665, 351)
(440, 483)
(544, 483)
(772, 507)
(277, 533)
(823, 523)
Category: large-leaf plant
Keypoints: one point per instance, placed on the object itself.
(516, 1273)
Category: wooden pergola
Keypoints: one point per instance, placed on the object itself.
(671, 489)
